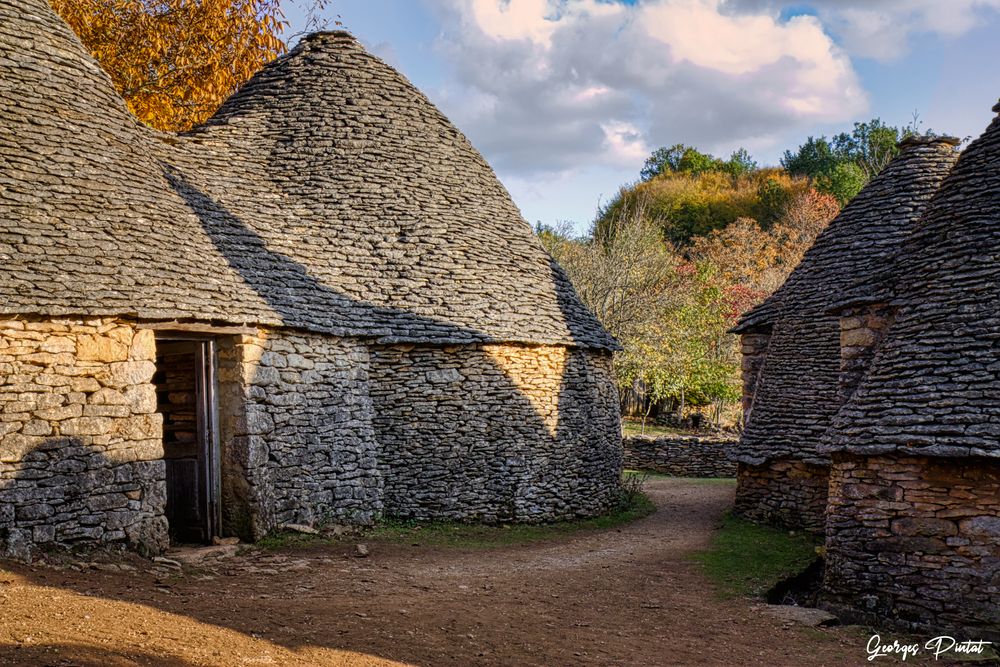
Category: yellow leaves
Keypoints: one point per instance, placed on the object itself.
(176, 61)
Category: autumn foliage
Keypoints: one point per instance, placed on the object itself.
(176, 61)
(674, 260)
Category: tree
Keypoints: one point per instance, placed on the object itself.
(695, 162)
(176, 61)
(662, 160)
(844, 182)
(685, 353)
(870, 146)
(811, 159)
(740, 163)
(671, 315)
(688, 160)
(622, 272)
(743, 253)
(841, 166)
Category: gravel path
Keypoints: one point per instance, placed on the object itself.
(628, 596)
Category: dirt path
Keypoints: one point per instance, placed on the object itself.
(630, 596)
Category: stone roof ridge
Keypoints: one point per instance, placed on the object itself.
(928, 140)
(340, 36)
(864, 234)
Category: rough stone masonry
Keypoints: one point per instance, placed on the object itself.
(80, 444)
(680, 456)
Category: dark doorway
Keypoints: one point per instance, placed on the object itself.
(187, 398)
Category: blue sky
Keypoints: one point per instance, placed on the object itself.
(565, 98)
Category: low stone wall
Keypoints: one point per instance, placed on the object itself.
(496, 432)
(913, 541)
(783, 492)
(680, 456)
(296, 426)
(80, 441)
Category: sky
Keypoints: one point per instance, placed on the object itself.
(567, 98)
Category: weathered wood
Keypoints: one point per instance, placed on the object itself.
(197, 327)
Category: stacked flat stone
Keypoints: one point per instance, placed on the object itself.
(914, 514)
(680, 456)
(328, 194)
(796, 392)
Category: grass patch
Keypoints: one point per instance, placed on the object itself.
(635, 428)
(646, 474)
(746, 559)
(643, 475)
(292, 540)
(635, 505)
(479, 536)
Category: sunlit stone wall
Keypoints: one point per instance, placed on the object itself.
(80, 441)
(916, 541)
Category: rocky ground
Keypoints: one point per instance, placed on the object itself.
(627, 596)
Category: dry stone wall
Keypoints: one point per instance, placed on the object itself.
(296, 424)
(80, 440)
(754, 349)
(496, 432)
(914, 540)
(862, 331)
(785, 492)
(313, 428)
(680, 456)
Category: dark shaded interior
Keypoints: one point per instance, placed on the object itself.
(184, 398)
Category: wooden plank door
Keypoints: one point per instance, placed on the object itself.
(187, 397)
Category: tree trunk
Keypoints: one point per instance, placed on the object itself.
(645, 415)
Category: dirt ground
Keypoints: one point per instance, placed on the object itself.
(628, 596)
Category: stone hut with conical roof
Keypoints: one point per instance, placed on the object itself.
(801, 362)
(913, 529)
(320, 306)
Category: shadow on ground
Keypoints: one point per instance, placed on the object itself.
(630, 595)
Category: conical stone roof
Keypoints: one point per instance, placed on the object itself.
(796, 394)
(328, 194)
(933, 387)
(867, 233)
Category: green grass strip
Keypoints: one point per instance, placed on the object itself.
(746, 559)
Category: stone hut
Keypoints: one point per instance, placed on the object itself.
(801, 362)
(321, 305)
(913, 529)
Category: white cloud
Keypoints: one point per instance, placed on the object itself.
(884, 29)
(624, 143)
(534, 20)
(549, 85)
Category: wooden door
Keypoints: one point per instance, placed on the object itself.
(187, 397)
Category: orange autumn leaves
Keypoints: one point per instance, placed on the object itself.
(176, 61)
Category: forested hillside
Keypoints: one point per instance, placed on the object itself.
(671, 262)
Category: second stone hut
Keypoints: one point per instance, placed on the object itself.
(801, 361)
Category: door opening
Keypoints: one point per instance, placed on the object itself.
(187, 397)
